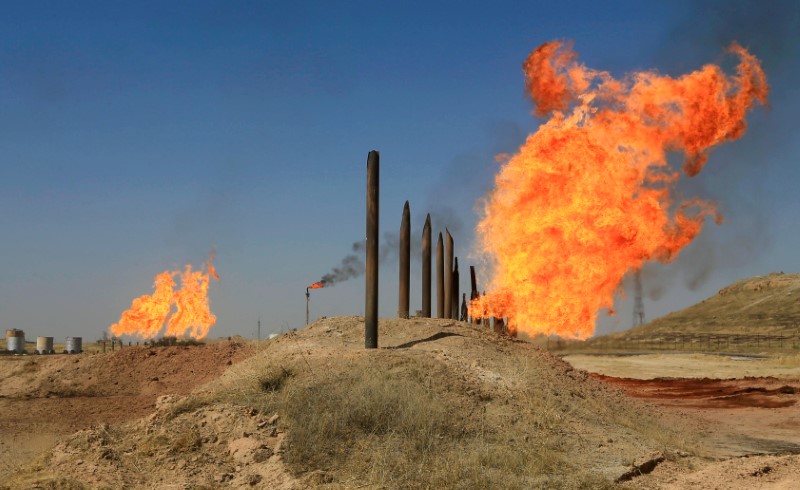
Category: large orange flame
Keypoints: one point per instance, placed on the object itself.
(317, 285)
(191, 316)
(587, 197)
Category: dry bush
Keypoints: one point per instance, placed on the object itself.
(187, 404)
(404, 421)
(272, 378)
(324, 419)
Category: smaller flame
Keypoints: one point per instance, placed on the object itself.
(212, 270)
(210, 266)
(185, 311)
(317, 285)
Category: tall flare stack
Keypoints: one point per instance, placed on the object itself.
(405, 263)
(371, 291)
(454, 310)
(473, 294)
(426, 268)
(440, 277)
(448, 275)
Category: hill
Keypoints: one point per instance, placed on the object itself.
(442, 404)
(765, 305)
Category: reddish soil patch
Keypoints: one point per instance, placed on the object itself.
(710, 393)
(741, 417)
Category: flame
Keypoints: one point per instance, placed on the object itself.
(210, 266)
(191, 316)
(317, 285)
(588, 196)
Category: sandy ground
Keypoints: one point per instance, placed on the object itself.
(43, 398)
(747, 407)
(745, 410)
(649, 366)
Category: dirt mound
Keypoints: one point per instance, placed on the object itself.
(441, 404)
(130, 371)
(44, 397)
(223, 444)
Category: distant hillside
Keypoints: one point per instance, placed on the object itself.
(763, 304)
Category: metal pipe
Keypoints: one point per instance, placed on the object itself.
(308, 300)
(426, 268)
(473, 293)
(371, 292)
(405, 263)
(499, 325)
(454, 292)
(439, 278)
(448, 275)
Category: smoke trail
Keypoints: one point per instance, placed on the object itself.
(772, 31)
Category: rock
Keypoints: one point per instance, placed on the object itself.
(164, 401)
(262, 454)
(247, 450)
(253, 479)
(318, 477)
(641, 467)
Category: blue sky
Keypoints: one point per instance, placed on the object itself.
(135, 136)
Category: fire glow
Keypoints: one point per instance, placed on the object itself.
(185, 311)
(587, 198)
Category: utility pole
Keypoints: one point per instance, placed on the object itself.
(638, 302)
(259, 329)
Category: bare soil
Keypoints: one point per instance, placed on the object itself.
(43, 398)
(196, 417)
(687, 365)
(750, 423)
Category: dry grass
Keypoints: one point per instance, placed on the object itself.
(441, 405)
(188, 404)
(392, 421)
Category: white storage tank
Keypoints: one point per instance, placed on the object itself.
(73, 345)
(44, 345)
(15, 341)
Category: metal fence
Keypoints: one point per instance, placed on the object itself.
(695, 342)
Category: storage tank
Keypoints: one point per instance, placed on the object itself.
(73, 345)
(15, 341)
(44, 345)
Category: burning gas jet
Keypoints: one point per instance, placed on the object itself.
(191, 314)
(587, 198)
